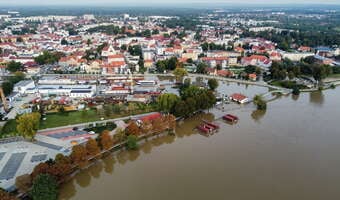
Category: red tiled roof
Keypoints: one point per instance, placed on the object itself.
(238, 96)
(150, 117)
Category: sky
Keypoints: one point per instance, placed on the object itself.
(159, 2)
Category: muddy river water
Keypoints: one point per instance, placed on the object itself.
(291, 151)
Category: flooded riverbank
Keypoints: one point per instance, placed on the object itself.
(290, 151)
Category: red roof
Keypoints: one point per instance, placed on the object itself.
(224, 73)
(116, 56)
(238, 97)
(214, 58)
(150, 117)
(252, 75)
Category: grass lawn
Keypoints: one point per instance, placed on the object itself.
(334, 76)
(77, 117)
(73, 117)
(237, 70)
(287, 84)
(68, 118)
(9, 129)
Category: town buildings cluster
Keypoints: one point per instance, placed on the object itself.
(76, 59)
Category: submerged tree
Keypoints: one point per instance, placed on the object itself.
(260, 103)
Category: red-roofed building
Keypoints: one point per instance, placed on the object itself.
(239, 98)
(252, 77)
(256, 60)
(225, 73)
(114, 67)
(304, 49)
(115, 58)
(275, 56)
(214, 61)
(239, 49)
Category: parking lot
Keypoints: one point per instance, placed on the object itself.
(18, 157)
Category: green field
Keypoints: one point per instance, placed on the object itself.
(75, 117)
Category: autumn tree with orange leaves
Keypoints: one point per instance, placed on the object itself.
(133, 129)
(146, 127)
(106, 140)
(92, 147)
(79, 155)
(41, 168)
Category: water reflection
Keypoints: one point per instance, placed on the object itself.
(109, 162)
(257, 115)
(316, 98)
(133, 155)
(84, 179)
(69, 192)
(295, 97)
(96, 169)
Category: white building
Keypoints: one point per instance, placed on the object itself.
(74, 91)
(24, 87)
(296, 56)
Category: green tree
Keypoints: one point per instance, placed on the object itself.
(181, 109)
(48, 58)
(123, 47)
(180, 73)
(14, 66)
(28, 124)
(44, 188)
(131, 142)
(7, 87)
(64, 42)
(202, 68)
(296, 90)
(166, 102)
(172, 63)
(213, 84)
(88, 42)
(135, 50)
(260, 103)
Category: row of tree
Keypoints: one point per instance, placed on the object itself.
(48, 58)
(191, 99)
(168, 64)
(287, 68)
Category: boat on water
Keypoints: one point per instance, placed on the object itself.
(230, 118)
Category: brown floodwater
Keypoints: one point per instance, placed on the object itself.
(291, 151)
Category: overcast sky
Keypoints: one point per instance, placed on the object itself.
(159, 2)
